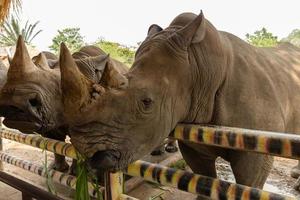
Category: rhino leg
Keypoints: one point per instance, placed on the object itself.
(171, 146)
(295, 172)
(250, 169)
(73, 167)
(158, 150)
(206, 157)
(59, 163)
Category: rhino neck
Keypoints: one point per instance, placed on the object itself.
(210, 61)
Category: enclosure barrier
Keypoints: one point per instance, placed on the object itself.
(197, 184)
(177, 178)
(266, 142)
(56, 176)
(28, 190)
(38, 141)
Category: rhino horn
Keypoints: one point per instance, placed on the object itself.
(21, 62)
(41, 61)
(75, 86)
(194, 32)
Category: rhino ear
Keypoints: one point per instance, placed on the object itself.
(194, 32)
(75, 87)
(112, 78)
(100, 62)
(41, 61)
(52, 63)
(154, 28)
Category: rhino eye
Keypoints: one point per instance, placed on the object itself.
(147, 102)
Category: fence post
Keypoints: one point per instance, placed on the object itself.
(1, 145)
(114, 185)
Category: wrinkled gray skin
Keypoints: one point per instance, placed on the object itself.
(190, 73)
(31, 99)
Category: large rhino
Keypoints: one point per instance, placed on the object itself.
(192, 73)
(31, 98)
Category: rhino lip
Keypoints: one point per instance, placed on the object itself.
(24, 126)
(17, 118)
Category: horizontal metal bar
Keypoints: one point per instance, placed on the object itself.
(29, 189)
(241, 139)
(58, 177)
(266, 142)
(197, 184)
(38, 141)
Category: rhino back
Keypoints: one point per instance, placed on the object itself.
(261, 89)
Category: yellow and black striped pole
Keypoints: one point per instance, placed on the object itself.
(58, 177)
(187, 181)
(273, 143)
(38, 141)
(197, 184)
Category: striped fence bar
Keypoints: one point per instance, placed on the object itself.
(197, 184)
(38, 141)
(182, 180)
(266, 142)
(58, 177)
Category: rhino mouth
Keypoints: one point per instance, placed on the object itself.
(17, 118)
(107, 160)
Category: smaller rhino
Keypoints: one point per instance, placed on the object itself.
(31, 97)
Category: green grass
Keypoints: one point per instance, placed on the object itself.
(49, 181)
(179, 164)
(82, 189)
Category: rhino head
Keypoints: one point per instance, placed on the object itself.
(115, 127)
(31, 99)
(25, 97)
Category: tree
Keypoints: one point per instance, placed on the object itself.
(262, 38)
(6, 6)
(12, 28)
(122, 53)
(293, 38)
(70, 36)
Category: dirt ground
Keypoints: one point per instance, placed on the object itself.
(279, 180)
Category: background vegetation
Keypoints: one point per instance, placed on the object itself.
(12, 28)
(70, 36)
(117, 51)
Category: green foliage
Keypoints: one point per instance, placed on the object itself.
(12, 28)
(293, 38)
(70, 36)
(262, 38)
(48, 172)
(179, 164)
(117, 51)
(82, 189)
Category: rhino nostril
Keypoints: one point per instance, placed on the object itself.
(34, 102)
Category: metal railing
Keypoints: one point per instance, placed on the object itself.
(279, 144)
